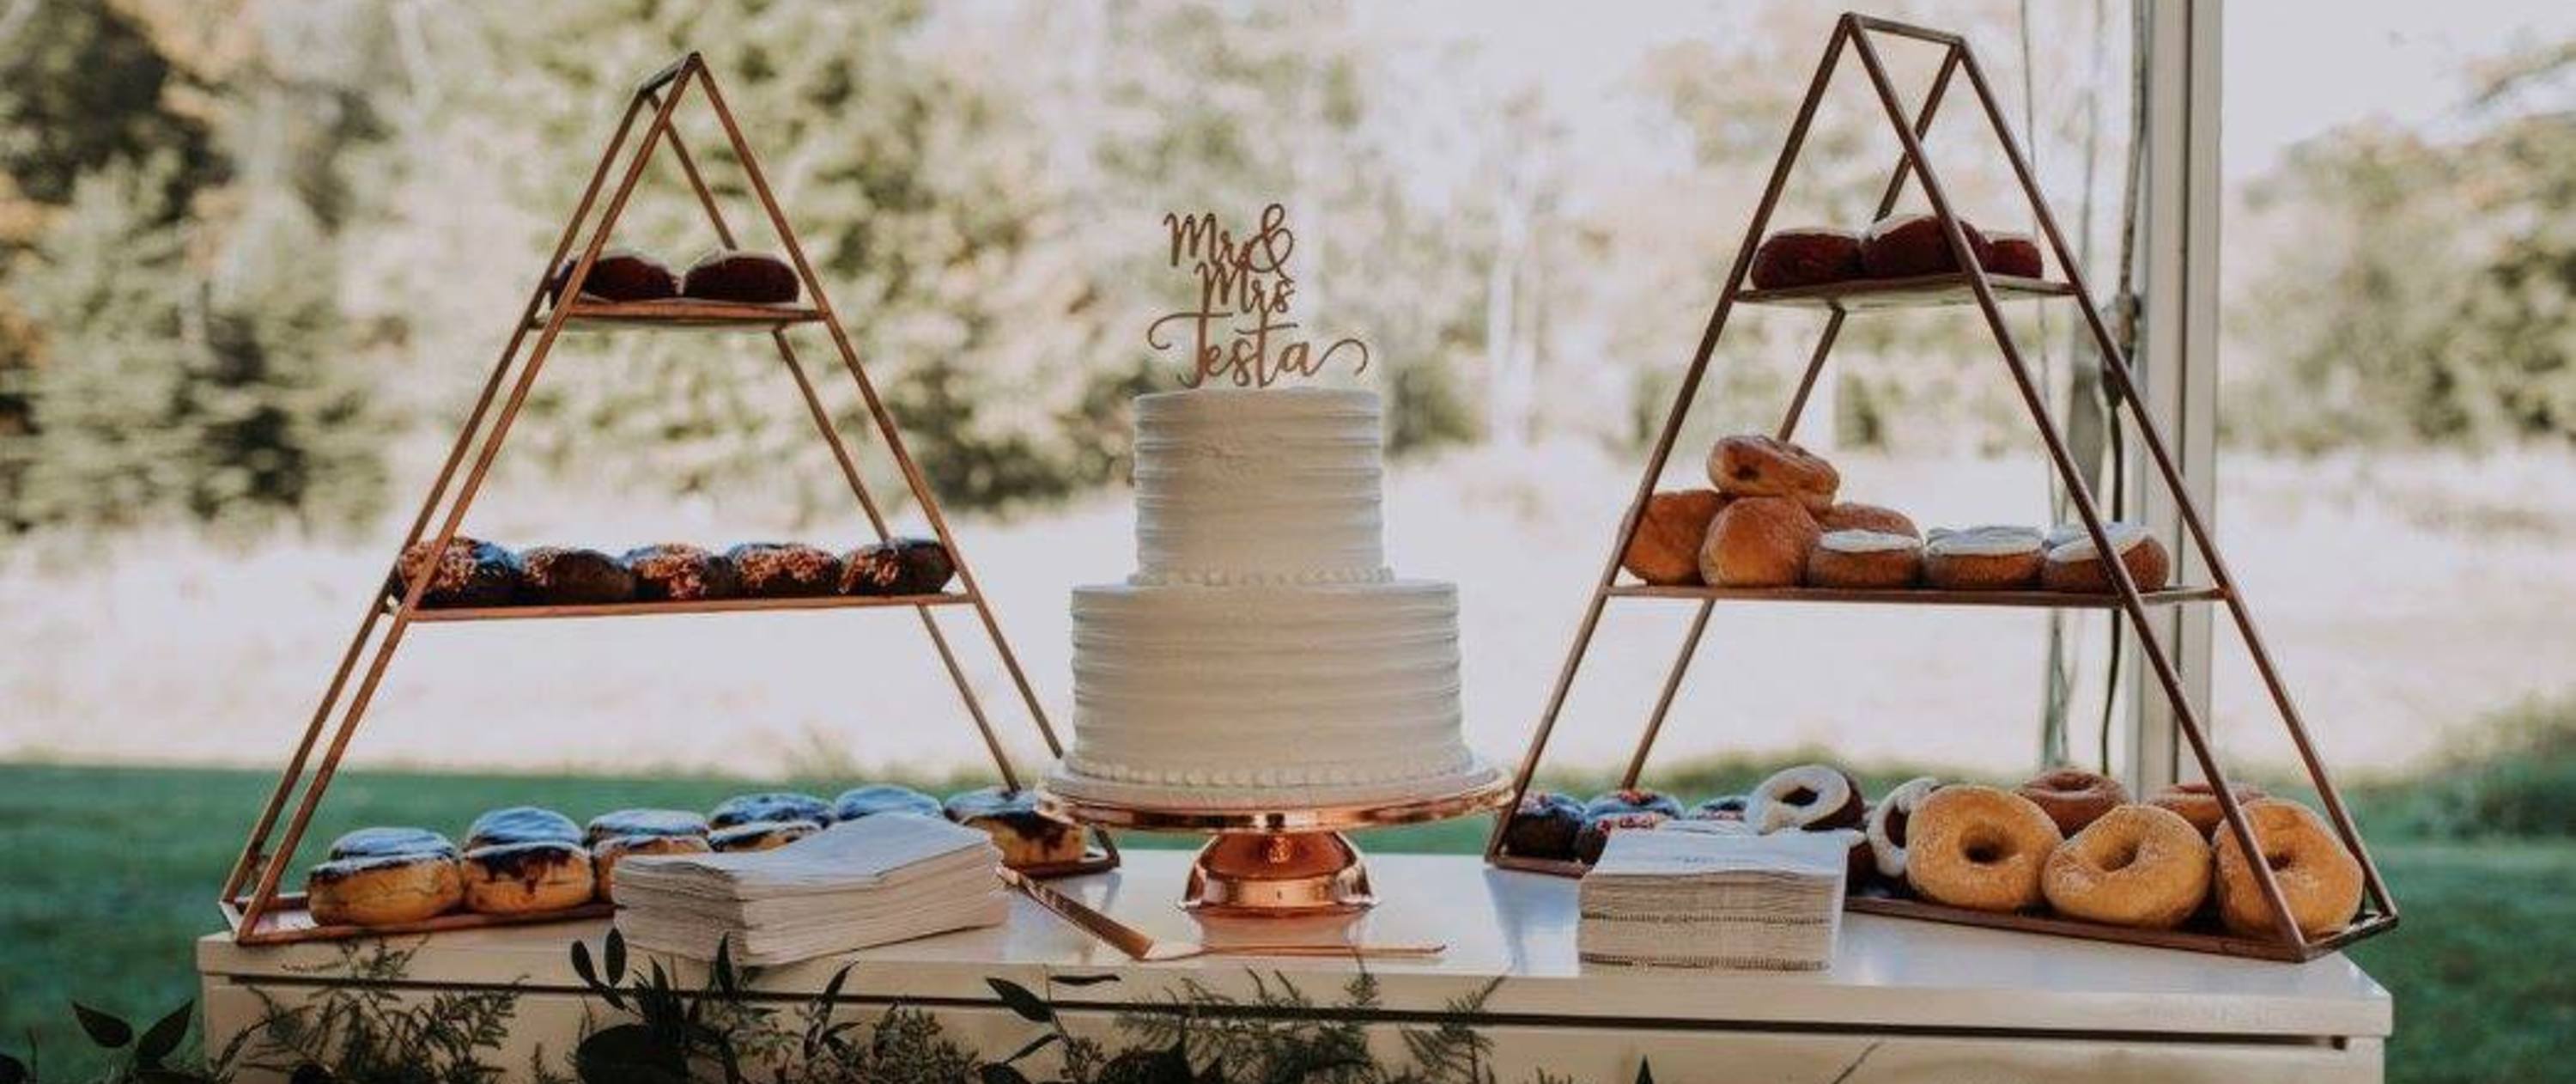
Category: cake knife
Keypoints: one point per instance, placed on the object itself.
(1143, 948)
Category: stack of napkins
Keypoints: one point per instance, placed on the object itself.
(1699, 899)
(879, 879)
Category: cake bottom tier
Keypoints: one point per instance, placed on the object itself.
(1249, 696)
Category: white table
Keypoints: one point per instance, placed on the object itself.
(1909, 1001)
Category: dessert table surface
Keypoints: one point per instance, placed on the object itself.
(1927, 986)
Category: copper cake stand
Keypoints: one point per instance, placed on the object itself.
(1279, 863)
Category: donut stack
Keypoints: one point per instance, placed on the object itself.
(1895, 247)
(473, 572)
(529, 860)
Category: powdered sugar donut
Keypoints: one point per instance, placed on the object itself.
(1810, 796)
(1888, 821)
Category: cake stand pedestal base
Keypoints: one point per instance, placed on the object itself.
(1279, 863)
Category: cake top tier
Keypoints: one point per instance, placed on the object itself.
(1267, 485)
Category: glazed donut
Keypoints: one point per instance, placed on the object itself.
(617, 275)
(1889, 821)
(1979, 848)
(1864, 559)
(559, 575)
(1752, 465)
(2198, 803)
(605, 854)
(2073, 797)
(1545, 826)
(778, 805)
(1855, 516)
(526, 878)
(784, 570)
(1665, 549)
(2013, 254)
(760, 835)
(2319, 878)
(1758, 542)
(1813, 797)
(1806, 256)
(1597, 831)
(1982, 558)
(2135, 865)
(2072, 564)
(1902, 246)
(727, 275)
(521, 824)
(383, 889)
(642, 822)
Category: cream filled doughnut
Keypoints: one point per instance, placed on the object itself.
(1810, 797)
(2074, 563)
(525, 878)
(2135, 865)
(1889, 822)
(1990, 558)
(1864, 559)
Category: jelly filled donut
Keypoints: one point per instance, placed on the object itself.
(2318, 877)
(1665, 549)
(1752, 465)
(525, 878)
(1855, 516)
(2198, 803)
(904, 566)
(617, 275)
(727, 275)
(521, 824)
(1983, 558)
(1889, 822)
(2135, 865)
(1864, 559)
(784, 570)
(1758, 542)
(1806, 256)
(2073, 797)
(1813, 797)
(570, 576)
(383, 889)
(678, 571)
(777, 805)
(471, 572)
(2074, 564)
(878, 798)
(1902, 246)
(1979, 848)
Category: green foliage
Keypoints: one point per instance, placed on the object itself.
(2518, 781)
(362, 1031)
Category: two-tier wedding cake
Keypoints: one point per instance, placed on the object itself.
(1263, 655)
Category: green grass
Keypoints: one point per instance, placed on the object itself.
(112, 873)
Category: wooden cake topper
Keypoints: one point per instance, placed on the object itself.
(1244, 293)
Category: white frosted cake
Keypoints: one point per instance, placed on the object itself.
(1263, 654)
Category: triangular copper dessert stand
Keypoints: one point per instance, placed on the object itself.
(1988, 293)
(258, 911)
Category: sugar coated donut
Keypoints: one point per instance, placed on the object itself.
(1990, 558)
(2318, 877)
(2074, 563)
(1979, 848)
(605, 855)
(525, 878)
(1855, 516)
(2198, 803)
(2012, 254)
(1902, 246)
(1862, 559)
(2135, 865)
(1806, 256)
(1752, 465)
(383, 889)
(1758, 542)
(1812, 797)
(2073, 797)
(1665, 549)
(1889, 824)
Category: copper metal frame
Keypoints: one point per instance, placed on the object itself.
(263, 915)
(1986, 292)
